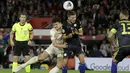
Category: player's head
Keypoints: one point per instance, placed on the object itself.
(22, 17)
(56, 23)
(71, 16)
(124, 14)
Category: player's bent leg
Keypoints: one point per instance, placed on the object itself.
(27, 58)
(27, 68)
(35, 59)
(15, 63)
(81, 58)
(54, 70)
(64, 68)
(118, 56)
(58, 66)
(43, 56)
(82, 66)
(31, 61)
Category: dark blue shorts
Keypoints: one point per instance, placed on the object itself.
(121, 53)
(74, 48)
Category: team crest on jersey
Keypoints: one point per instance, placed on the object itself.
(63, 31)
(65, 54)
(75, 25)
(25, 32)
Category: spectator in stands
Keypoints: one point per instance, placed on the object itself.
(104, 32)
(104, 48)
(111, 50)
(94, 32)
(100, 27)
(99, 32)
(89, 32)
(95, 52)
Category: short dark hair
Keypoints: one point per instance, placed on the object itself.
(125, 12)
(22, 13)
(71, 13)
(56, 19)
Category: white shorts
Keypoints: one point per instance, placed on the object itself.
(53, 50)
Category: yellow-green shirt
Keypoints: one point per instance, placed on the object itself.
(22, 33)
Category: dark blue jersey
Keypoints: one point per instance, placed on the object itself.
(122, 31)
(69, 28)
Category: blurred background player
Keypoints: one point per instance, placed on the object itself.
(122, 33)
(56, 48)
(72, 32)
(23, 36)
(3, 47)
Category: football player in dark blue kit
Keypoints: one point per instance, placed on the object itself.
(72, 31)
(122, 34)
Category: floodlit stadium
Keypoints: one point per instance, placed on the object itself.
(37, 36)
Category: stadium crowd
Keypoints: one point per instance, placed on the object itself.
(96, 16)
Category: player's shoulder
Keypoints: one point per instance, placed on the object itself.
(52, 30)
(16, 24)
(28, 24)
(116, 25)
(119, 23)
(124, 22)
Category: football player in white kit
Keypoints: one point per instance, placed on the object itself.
(54, 48)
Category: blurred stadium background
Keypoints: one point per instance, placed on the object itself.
(96, 16)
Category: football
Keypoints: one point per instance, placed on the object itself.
(68, 5)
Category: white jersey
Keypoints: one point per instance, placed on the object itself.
(55, 35)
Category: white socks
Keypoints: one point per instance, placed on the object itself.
(54, 70)
(31, 61)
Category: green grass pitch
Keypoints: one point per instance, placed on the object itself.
(47, 71)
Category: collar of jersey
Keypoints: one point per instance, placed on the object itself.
(22, 25)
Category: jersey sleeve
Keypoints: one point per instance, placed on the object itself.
(30, 27)
(14, 27)
(114, 28)
(52, 34)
